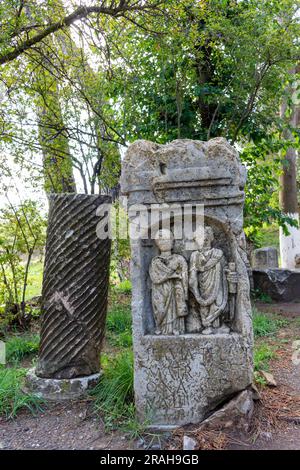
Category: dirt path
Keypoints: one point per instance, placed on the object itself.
(72, 425)
(68, 426)
(277, 420)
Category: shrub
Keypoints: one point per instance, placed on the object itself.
(22, 232)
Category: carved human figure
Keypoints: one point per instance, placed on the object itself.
(169, 276)
(209, 284)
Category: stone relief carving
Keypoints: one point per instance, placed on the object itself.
(169, 276)
(210, 280)
(208, 283)
(181, 378)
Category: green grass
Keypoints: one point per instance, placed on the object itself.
(263, 353)
(118, 326)
(264, 325)
(135, 429)
(18, 347)
(113, 394)
(119, 319)
(12, 399)
(35, 278)
(120, 340)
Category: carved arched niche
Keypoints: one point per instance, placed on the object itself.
(225, 240)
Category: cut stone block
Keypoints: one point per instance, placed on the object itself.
(282, 285)
(264, 258)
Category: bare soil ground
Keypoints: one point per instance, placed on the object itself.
(276, 422)
(61, 426)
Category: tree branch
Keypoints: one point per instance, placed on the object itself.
(79, 14)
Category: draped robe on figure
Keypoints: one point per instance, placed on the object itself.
(169, 294)
(209, 285)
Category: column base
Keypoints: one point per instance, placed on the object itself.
(59, 389)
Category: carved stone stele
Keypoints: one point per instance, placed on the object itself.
(191, 305)
(75, 285)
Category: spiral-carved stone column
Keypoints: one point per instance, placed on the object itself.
(75, 286)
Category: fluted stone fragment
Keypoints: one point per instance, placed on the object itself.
(75, 285)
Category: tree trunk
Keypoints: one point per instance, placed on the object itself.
(204, 74)
(289, 244)
(57, 161)
(58, 166)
